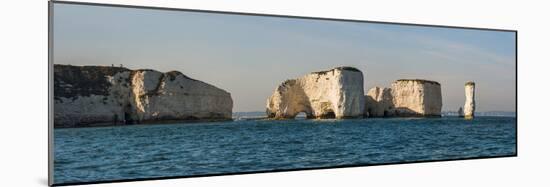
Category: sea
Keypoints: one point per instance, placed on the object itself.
(100, 154)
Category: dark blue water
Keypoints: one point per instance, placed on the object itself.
(143, 151)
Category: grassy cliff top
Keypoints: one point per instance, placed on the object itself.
(73, 81)
(418, 80)
(347, 68)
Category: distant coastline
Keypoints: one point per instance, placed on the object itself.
(487, 113)
(259, 114)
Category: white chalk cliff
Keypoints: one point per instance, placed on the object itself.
(470, 104)
(91, 95)
(336, 93)
(406, 97)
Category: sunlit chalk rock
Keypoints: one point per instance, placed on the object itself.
(405, 98)
(470, 104)
(335, 93)
(416, 97)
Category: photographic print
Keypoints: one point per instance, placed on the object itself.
(150, 93)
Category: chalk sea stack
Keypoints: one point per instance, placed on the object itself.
(335, 93)
(379, 103)
(104, 95)
(405, 98)
(470, 104)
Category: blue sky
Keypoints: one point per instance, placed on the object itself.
(250, 55)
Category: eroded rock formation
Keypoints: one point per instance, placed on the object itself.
(406, 97)
(336, 93)
(470, 104)
(379, 102)
(92, 95)
(417, 97)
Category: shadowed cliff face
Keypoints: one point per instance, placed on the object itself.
(99, 95)
(75, 81)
